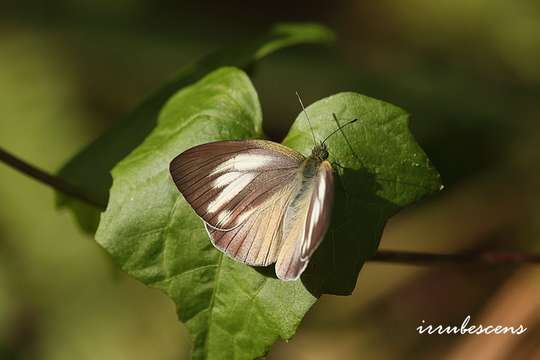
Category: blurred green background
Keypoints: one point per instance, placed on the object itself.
(468, 72)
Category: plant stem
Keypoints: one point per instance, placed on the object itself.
(485, 257)
(53, 181)
(387, 256)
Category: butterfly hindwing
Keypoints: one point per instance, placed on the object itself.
(258, 240)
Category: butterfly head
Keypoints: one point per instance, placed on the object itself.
(320, 152)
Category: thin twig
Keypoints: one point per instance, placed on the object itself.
(387, 256)
(485, 257)
(55, 182)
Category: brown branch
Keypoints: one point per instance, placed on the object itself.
(53, 181)
(485, 257)
(387, 256)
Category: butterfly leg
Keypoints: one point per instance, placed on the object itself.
(344, 189)
(336, 164)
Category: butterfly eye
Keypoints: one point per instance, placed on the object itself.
(324, 153)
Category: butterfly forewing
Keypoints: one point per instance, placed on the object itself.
(225, 182)
(305, 223)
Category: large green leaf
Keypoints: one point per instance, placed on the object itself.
(379, 169)
(235, 311)
(90, 169)
(232, 310)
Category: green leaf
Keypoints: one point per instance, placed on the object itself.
(90, 169)
(235, 311)
(232, 310)
(379, 169)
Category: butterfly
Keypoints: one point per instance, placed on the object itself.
(261, 202)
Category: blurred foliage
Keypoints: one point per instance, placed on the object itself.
(466, 71)
(59, 298)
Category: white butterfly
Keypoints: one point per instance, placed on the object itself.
(261, 202)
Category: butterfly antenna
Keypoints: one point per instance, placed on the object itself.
(340, 128)
(307, 117)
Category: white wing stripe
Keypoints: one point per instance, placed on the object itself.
(229, 192)
(244, 162)
(314, 219)
(225, 179)
(322, 188)
(316, 212)
(223, 216)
